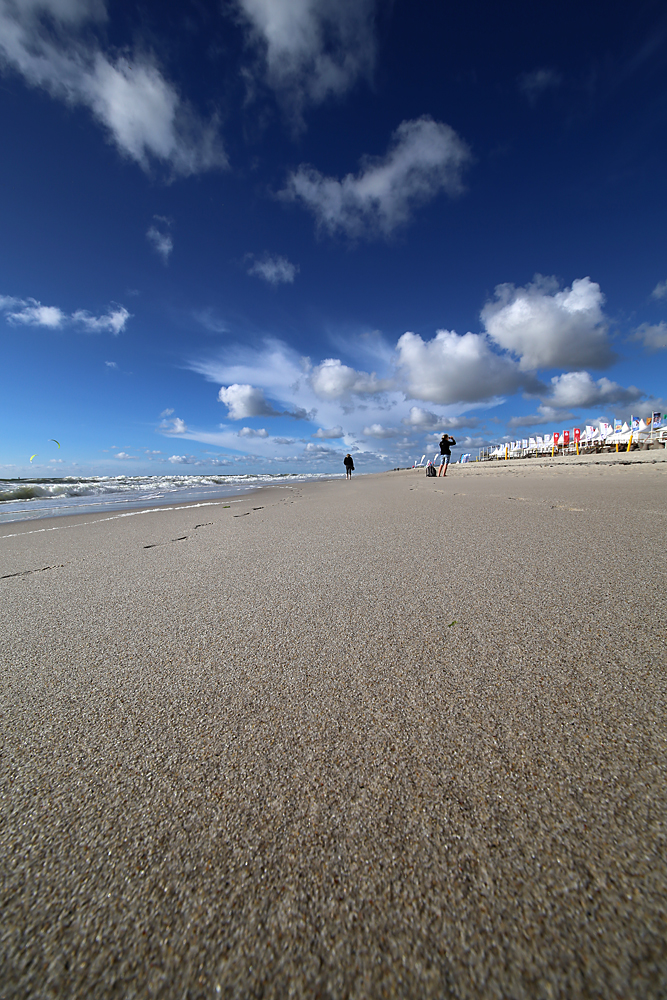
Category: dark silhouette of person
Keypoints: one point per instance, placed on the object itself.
(349, 466)
(446, 443)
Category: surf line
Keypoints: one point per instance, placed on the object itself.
(129, 513)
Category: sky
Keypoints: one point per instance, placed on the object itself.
(255, 235)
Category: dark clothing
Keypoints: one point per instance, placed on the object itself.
(349, 464)
(445, 448)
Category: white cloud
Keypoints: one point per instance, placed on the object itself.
(142, 111)
(654, 337)
(243, 401)
(167, 413)
(660, 290)
(283, 440)
(378, 431)
(419, 418)
(38, 315)
(173, 426)
(548, 328)
(332, 433)
(113, 322)
(533, 85)
(123, 454)
(30, 312)
(456, 369)
(312, 49)
(273, 269)
(250, 432)
(334, 380)
(111, 364)
(578, 389)
(160, 237)
(319, 449)
(184, 460)
(424, 158)
(545, 415)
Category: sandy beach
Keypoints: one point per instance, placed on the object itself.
(398, 737)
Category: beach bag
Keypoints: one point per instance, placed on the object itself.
(430, 470)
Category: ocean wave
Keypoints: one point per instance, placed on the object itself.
(154, 486)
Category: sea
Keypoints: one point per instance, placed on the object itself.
(32, 499)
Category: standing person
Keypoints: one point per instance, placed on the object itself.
(446, 443)
(349, 466)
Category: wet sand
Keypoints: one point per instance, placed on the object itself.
(397, 737)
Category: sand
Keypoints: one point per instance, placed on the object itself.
(397, 737)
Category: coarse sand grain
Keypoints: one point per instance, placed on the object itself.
(393, 737)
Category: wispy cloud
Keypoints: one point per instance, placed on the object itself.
(660, 290)
(424, 158)
(159, 236)
(533, 85)
(51, 43)
(272, 268)
(311, 49)
(654, 337)
(31, 312)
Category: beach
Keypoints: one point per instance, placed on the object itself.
(397, 737)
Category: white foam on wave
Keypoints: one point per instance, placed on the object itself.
(156, 486)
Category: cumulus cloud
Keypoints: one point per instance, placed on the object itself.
(319, 449)
(312, 49)
(250, 432)
(579, 389)
(173, 426)
(331, 434)
(50, 44)
(186, 460)
(273, 269)
(334, 380)
(424, 158)
(30, 312)
(533, 85)
(456, 369)
(546, 328)
(243, 401)
(378, 431)
(660, 290)
(545, 415)
(654, 337)
(160, 238)
(421, 419)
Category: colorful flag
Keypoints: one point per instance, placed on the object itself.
(656, 419)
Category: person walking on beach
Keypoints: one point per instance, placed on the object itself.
(446, 443)
(349, 466)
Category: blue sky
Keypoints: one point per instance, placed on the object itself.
(255, 235)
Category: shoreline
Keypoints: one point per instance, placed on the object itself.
(494, 466)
